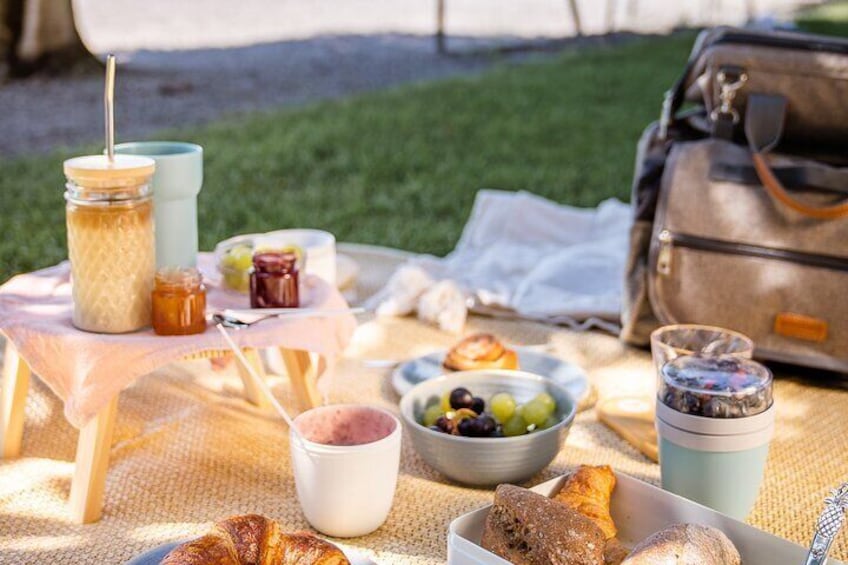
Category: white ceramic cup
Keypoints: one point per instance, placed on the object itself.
(346, 469)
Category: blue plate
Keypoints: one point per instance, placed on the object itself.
(155, 555)
(408, 374)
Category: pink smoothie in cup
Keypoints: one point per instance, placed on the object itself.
(345, 425)
(346, 468)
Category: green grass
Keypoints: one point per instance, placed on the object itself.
(828, 19)
(398, 167)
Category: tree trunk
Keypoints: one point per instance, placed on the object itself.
(39, 35)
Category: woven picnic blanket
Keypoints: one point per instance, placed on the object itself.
(188, 450)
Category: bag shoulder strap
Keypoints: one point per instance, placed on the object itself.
(764, 119)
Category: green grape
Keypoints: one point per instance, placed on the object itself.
(232, 279)
(235, 265)
(242, 257)
(433, 413)
(446, 407)
(502, 406)
(515, 426)
(547, 400)
(549, 423)
(535, 413)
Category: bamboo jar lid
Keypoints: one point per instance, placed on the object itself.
(97, 170)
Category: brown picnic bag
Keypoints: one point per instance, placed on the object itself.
(741, 200)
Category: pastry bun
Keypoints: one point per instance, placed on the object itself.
(480, 351)
(254, 540)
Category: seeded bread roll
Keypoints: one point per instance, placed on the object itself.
(685, 544)
(526, 528)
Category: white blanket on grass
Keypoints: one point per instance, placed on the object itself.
(523, 255)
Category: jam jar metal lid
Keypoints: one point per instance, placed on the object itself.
(721, 386)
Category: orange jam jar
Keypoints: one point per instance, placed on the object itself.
(179, 302)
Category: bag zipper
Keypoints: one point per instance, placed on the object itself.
(668, 240)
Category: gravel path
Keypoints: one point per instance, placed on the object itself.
(192, 61)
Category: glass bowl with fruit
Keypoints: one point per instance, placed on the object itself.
(488, 427)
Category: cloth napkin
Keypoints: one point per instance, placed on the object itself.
(87, 369)
(523, 255)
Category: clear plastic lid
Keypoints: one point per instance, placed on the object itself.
(721, 386)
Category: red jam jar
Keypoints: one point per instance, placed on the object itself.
(179, 302)
(274, 280)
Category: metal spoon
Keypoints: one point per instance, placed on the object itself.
(263, 386)
(828, 525)
(230, 320)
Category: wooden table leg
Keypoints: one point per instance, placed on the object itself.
(92, 461)
(13, 401)
(251, 392)
(303, 379)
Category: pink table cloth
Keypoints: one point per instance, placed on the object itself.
(87, 369)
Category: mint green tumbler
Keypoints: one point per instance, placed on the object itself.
(176, 184)
(715, 419)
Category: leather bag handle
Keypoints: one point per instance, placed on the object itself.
(764, 118)
(814, 176)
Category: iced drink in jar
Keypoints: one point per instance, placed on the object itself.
(109, 213)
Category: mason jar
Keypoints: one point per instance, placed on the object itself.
(109, 214)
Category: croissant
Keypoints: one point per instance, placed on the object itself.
(480, 351)
(255, 540)
(588, 490)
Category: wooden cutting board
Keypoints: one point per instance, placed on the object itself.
(631, 417)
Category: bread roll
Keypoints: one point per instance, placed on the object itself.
(588, 490)
(526, 528)
(480, 351)
(615, 552)
(685, 544)
(255, 540)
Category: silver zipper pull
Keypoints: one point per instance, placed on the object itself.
(727, 94)
(664, 255)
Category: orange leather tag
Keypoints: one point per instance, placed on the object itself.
(800, 327)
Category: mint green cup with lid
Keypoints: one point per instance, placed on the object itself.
(176, 184)
(715, 419)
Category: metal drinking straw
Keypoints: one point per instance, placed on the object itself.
(109, 106)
